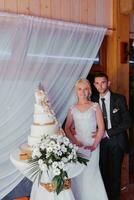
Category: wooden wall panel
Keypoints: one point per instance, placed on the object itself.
(91, 12)
(45, 8)
(23, 6)
(2, 5)
(108, 21)
(100, 12)
(11, 6)
(55, 9)
(83, 11)
(34, 7)
(75, 11)
(65, 10)
(95, 12)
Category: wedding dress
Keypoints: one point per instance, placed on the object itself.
(88, 185)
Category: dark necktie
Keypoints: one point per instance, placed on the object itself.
(104, 112)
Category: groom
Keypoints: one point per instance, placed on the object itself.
(115, 143)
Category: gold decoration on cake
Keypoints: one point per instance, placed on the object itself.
(44, 102)
(50, 123)
(25, 152)
(41, 99)
(24, 156)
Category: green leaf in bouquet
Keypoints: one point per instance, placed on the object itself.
(56, 157)
(59, 183)
(82, 160)
(64, 174)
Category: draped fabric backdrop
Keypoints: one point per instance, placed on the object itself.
(34, 50)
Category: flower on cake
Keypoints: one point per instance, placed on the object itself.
(53, 154)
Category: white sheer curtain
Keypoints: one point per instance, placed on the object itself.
(34, 50)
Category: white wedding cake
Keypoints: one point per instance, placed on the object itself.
(44, 120)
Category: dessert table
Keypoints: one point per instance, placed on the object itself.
(38, 192)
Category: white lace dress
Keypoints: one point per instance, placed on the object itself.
(88, 185)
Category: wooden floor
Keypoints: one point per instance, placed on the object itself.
(128, 193)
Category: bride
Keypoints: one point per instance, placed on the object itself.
(80, 127)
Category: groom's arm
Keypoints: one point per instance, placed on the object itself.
(121, 119)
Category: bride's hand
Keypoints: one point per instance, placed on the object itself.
(79, 144)
(91, 148)
(94, 134)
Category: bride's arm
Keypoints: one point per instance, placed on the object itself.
(70, 132)
(101, 129)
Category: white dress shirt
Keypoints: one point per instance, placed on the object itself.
(107, 103)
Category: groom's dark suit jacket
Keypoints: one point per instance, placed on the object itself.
(120, 120)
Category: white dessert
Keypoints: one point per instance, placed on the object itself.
(44, 121)
(43, 130)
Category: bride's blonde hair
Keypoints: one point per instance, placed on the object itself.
(85, 82)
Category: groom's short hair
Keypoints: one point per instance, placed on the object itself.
(101, 74)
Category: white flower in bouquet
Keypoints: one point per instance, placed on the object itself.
(40, 161)
(56, 171)
(64, 159)
(53, 153)
(61, 165)
(63, 148)
(43, 167)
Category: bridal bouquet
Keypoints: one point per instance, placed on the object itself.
(53, 154)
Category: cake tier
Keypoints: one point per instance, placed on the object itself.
(38, 131)
(43, 118)
(38, 108)
(33, 140)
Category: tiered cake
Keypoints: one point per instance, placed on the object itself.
(44, 120)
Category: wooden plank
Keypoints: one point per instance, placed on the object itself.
(81, 11)
(23, 6)
(2, 5)
(55, 9)
(65, 10)
(11, 6)
(34, 7)
(91, 12)
(45, 8)
(104, 13)
(108, 13)
(112, 59)
(84, 11)
(100, 12)
(75, 11)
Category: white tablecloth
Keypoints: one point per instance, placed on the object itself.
(38, 192)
